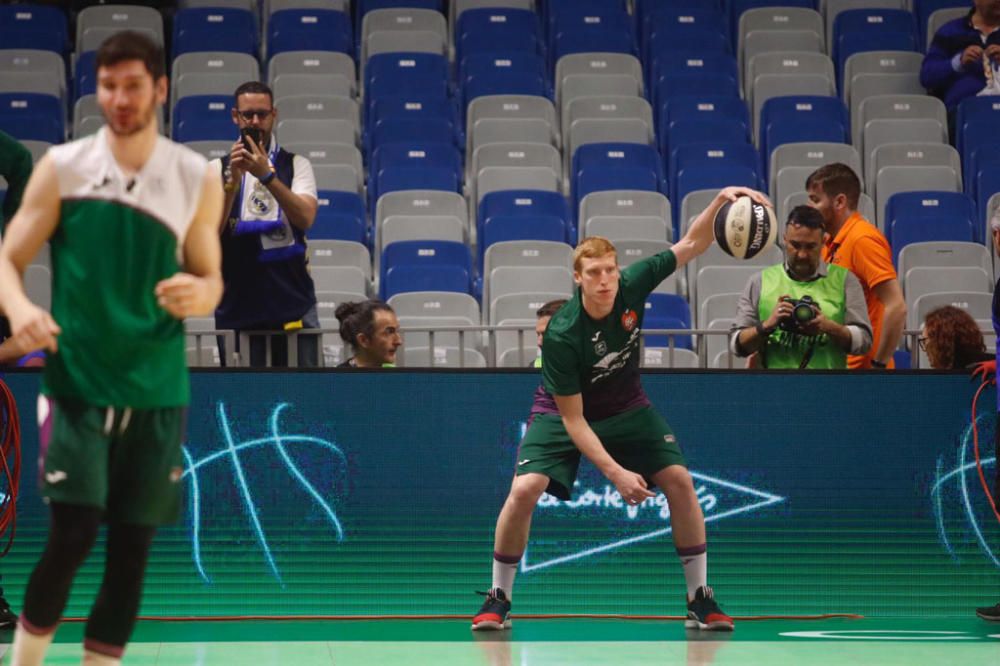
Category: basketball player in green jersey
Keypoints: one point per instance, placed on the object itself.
(132, 220)
(593, 403)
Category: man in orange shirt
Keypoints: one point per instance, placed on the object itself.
(854, 243)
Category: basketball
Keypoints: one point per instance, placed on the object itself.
(745, 228)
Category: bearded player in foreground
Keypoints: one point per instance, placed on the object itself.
(593, 403)
(132, 220)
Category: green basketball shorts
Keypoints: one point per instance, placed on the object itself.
(639, 440)
(127, 462)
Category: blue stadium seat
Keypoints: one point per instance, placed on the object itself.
(522, 215)
(409, 130)
(903, 359)
(340, 216)
(409, 107)
(857, 30)
(389, 75)
(915, 217)
(729, 109)
(34, 27)
(425, 266)
(976, 119)
(309, 30)
(981, 153)
(203, 118)
(32, 117)
(85, 75)
(667, 311)
(795, 119)
(414, 166)
(672, 70)
(666, 22)
(615, 166)
(556, 11)
(708, 155)
(669, 87)
(498, 30)
(214, 29)
(516, 74)
(702, 130)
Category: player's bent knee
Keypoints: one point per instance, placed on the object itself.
(676, 476)
(527, 489)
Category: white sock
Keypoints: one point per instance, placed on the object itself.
(504, 569)
(29, 649)
(695, 563)
(91, 658)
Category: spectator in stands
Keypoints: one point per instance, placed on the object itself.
(803, 313)
(544, 314)
(964, 58)
(855, 244)
(371, 329)
(270, 204)
(952, 339)
(15, 167)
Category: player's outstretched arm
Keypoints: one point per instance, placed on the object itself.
(197, 291)
(630, 485)
(701, 234)
(35, 221)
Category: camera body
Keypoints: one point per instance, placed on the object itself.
(803, 312)
(254, 133)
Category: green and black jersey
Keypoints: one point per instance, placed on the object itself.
(600, 359)
(118, 237)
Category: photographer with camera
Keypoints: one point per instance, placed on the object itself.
(803, 313)
(270, 203)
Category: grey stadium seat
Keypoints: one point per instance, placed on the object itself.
(878, 62)
(96, 23)
(511, 156)
(210, 149)
(495, 179)
(605, 119)
(979, 304)
(507, 280)
(36, 148)
(403, 29)
(340, 253)
(941, 16)
(922, 280)
(30, 82)
(769, 41)
(912, 154)
(944, 254)
(442, 357)
(323, 131)
(899, 107)
(215, 62)
(438, 308)
(712, 280)
(784, 19)
(625, 214)
(864, 86)
(660, 357)
(716, 257)
(788, 180)
(309, 107)
(339, 278)
(334, 352)
(813, 155)
(712, 346)
(312, 73)
(327, 301)
(717, 306)
(592, 85)
(526, 255)
(865, 205)
(588, 65)
(200, 83)
(44, 65)
(893, 179)
(492, 108)
(785, 63)
(882, 131)
(631, 251)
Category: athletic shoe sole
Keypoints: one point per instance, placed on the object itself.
(988, 618)
(490, 625)
(691, 623)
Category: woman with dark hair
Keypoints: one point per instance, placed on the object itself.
(952, 339)
(371, 329)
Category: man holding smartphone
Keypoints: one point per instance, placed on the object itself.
(270, 203)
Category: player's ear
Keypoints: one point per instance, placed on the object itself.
(160, 86)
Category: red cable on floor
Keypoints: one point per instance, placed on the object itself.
(539, 616)
(975, 449)
(10, 459)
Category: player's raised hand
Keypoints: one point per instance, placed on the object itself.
(631, 486)
(735, 192)
(183, 295)
(33, 328)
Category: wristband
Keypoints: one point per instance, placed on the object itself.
(879, 364)
(266, 180)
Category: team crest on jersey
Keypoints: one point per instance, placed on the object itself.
(629, 320)
(601, 348)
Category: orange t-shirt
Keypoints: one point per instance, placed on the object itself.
(862, 249)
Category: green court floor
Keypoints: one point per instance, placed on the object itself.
(966, 641)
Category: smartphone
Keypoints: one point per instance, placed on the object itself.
(253, 133)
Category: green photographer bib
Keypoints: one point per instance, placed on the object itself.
(786, 350)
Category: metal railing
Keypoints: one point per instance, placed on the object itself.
(483, 341)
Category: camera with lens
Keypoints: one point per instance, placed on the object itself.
(803, 312)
